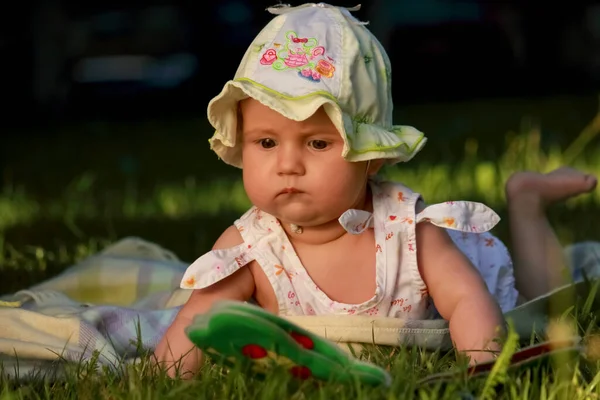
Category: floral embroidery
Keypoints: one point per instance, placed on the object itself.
(489, 242)
(258, 47)
(397, 302)
(302, 54)
(258, 213)
(449, 221)
(373, 311)
(292, 298)
(407, 220)
(268, 57)
(279, 269)
(190, 282)
(360, 227)
(392, 217)
(241, 260)
(400, 196)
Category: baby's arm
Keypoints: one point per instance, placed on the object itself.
(175, 351)
(459, 292)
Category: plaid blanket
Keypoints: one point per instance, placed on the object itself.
(120, 301)
(111, 306)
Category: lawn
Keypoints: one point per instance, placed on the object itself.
(70, 190)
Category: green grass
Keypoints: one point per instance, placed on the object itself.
(57, 207)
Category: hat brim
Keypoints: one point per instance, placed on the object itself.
(362, 141)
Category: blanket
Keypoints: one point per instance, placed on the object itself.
(111, 306)
(117, 304)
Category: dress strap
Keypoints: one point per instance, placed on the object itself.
(215, 266)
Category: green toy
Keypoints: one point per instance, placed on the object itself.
(232, 332)
(241, 333)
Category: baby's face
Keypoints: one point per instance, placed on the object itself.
(294, 170)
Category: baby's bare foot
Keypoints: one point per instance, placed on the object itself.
(542, 190)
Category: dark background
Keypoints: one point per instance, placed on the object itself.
(105, 103)
(65, 60)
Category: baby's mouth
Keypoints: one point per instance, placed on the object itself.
(290, 190)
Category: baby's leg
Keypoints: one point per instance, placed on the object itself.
(537, 254)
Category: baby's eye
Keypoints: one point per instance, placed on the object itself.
(267, 143)
(318, 144)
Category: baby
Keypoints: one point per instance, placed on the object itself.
(308, 118)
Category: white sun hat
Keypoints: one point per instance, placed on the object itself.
(312, 56)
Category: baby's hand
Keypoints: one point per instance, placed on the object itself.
(176, 352)
(459, 293)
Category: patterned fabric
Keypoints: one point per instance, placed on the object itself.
(400, 290)
(113, 303)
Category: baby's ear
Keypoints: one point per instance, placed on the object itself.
(375, 166)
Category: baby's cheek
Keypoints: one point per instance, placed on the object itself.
(256, 190)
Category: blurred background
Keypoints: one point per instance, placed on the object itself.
(68, 60)
(104, 133)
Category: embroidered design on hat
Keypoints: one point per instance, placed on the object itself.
(302, 54)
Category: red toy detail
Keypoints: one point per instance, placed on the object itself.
(304, 341)
(254, 351)
(301, 372)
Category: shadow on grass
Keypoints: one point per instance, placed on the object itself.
(27, 247)
(191, 237)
